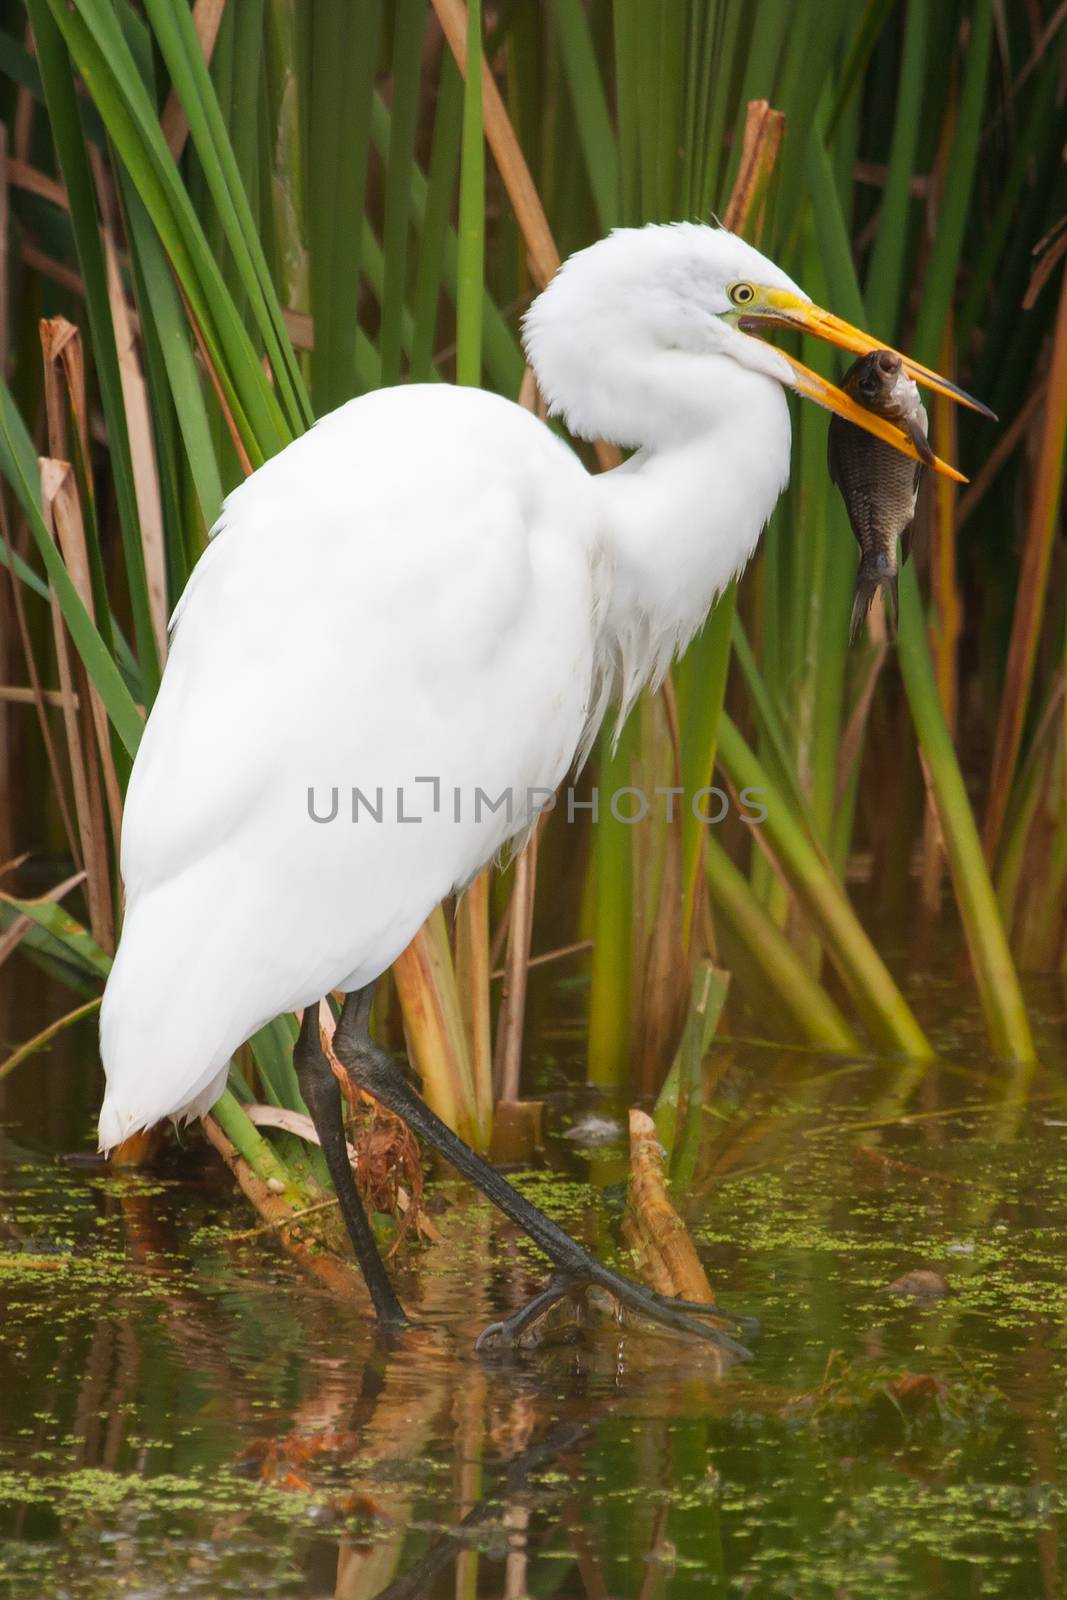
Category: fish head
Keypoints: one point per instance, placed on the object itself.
(876, 377)
(764, 308)
(879, 382)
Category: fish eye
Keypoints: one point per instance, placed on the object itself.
(742, 294)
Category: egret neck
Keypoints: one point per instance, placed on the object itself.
(635, 340)
(683, 515)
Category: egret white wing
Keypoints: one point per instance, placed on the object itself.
(407, 593)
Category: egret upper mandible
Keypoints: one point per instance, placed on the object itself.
(428, 595)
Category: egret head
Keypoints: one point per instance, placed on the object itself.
(641, 310)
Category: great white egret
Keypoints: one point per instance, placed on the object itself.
(428, 594)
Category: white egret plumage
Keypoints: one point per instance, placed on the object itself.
(429, 585)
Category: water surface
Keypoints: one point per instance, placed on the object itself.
(181, 1413)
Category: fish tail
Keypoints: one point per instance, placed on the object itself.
(891, 597)
(868, 582)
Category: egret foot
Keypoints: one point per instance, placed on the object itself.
(628, 1296)
(511, 1329)
(322, 1096)
(375, 1072)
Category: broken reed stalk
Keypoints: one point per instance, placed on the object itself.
(63, 355)
(472, 981)
(760, 143)
(507, 1067)
(66, 513)
(665, 1254)
(436, 1036)
(276, 1209)
(138, 412)
(60, 507)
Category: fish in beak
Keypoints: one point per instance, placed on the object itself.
(779, 308)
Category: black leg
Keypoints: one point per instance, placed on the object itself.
(374, 1071)
(322, 1096)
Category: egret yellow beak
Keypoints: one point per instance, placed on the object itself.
(779, 308)
(824, 393)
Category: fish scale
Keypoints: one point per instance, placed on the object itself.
(878, 485)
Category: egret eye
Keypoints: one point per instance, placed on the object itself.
(742, 294)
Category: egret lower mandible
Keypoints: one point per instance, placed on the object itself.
(430, 585)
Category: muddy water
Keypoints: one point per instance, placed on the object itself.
(182, 1414)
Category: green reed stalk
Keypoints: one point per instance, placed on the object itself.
(876, 996)
(409, 27)
(802, 997)
(336, 103)
(256, 1150)
(470, 273)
